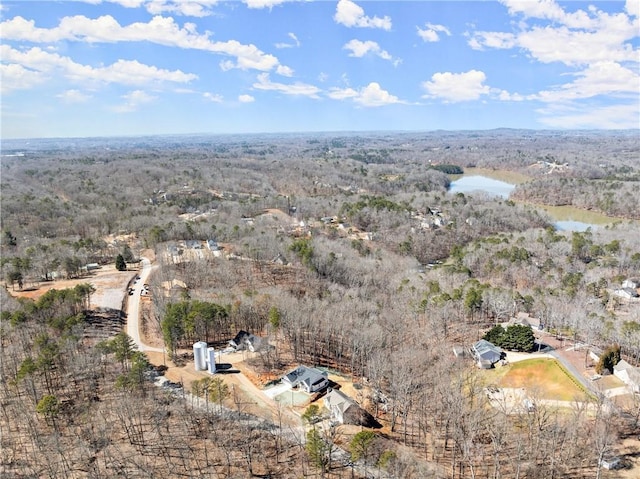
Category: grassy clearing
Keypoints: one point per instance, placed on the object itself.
(545, 378)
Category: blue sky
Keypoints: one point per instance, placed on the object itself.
(137, 67)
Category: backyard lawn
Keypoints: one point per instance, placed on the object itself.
(542, 377)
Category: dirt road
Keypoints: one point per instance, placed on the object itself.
(133, 308)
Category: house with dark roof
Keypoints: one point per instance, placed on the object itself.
(247, 341)
(486, 354)
(310, 380)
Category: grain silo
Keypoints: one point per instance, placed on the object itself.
(200, 356)
(211, 359)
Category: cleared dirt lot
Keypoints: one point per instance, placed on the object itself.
(110, 285)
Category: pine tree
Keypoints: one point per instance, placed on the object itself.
(121, 265)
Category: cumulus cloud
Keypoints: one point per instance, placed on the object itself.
(456, 87)
(246, 99)
(133, 100)
(574, 39)
(73, 96)
(159, 30)
(370, 96)
(296, 89)
(126, 72)
(431, 32)
(604, 78)
(16, 77)
(598, 50)
(351, 14)
(359, 49)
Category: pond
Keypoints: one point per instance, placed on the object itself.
(474, 183)
(567, 218)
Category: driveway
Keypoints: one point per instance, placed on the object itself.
(133, 308)
(569, 358)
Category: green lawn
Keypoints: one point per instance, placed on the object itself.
(542, 377)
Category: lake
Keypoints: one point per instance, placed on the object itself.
(567, 218)
(475, 183)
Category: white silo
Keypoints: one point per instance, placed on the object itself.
(211, 359)
(200, 356)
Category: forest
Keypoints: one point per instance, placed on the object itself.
(342, 251)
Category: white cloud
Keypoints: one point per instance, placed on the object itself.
(611, 117)
(598, 47)
(456, 87)
(359, 49)
(190, 8)
(501, 40)
(246, 99)
(350, 14)
(73, 96)
(124, 72)
(370, 96)
(284, 71)
(296, 89)
(292, 36)
(16, 77)
(504, 95)
(214, 97)
(133, 100)
(342, 93)
(575, 48)
(193, 8)
(574, 39)
(159, 30)
(263, 3)
(431, 32)
(604, 78)
(548, 10)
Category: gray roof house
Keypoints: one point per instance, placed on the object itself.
(628, 375)
(310, 380)
(486, 354)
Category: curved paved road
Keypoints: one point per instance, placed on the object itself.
(133, 308)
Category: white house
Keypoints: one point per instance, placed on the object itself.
(626, 293)
(628, 375)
